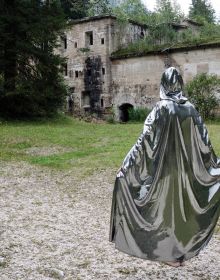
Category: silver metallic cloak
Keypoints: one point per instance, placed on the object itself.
(166, 199)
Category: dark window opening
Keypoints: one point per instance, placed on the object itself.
(142, 33)
(76, 74)
(89, 38)
(65, 69)
(64, 41)
(75, 44)
(102, 102)
(124, 112)
(102, 41)
(103, 71)
(89, 72)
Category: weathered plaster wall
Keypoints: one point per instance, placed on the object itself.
(107, 36)
(136, 80)
(79, 49)
(99, 82)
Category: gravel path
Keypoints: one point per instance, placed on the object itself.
(54, 226)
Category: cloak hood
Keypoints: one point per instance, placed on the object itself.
(171, 87)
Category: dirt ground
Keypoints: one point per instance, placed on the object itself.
(55, 226)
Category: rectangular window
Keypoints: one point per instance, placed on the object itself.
(76, 74)
(89, 72)
(103, 71)
(89, 38)
(102, 41)
(75, 44)
(64, 41)
(65, 69)
(102, 102)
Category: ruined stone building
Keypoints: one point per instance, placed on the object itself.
(100, 82)
(88, 45)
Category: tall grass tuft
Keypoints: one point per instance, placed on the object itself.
(138, 114)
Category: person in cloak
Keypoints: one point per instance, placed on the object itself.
(166, 198)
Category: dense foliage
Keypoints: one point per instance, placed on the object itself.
(202, 92)
(31, 82)
(202, 11)
(132, 10)
(162, 24)
(138, 114)
(75, 9)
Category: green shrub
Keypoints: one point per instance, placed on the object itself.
(111, 119)
(202, 93)
(138, 114)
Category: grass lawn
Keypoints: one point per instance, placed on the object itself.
(68, 143)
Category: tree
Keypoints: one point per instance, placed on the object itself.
(202, 10)
(75, 9)
(133, 10)
(202, 92)
(168, 11)
(30, 70)
(161, 22)
(99, 7)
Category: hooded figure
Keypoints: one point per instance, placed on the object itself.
(166, 199)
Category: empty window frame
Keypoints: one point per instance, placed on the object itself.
(103, 71)
(65, 69)
(76, 74)
(102, 41)
(142, 33)
(64, 41)
(75, 45)
(89, 38)
(102, 102)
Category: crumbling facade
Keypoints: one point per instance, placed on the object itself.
(101, 84)
(88, 45)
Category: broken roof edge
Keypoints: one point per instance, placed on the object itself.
(111, 16)
(171, 49)
(193, 21)
(94, 18)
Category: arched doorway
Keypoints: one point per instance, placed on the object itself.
(123, 112)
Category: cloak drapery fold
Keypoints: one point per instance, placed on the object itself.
(166, 198)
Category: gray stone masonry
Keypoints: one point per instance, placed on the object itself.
(100, 84)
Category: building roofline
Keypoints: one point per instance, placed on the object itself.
(87, 19)
(172, 49)
(193, 22)
(94, 18)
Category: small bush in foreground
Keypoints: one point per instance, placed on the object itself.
(138, 114)
(202, 92)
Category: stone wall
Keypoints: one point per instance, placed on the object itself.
(98, 82)
(136, 80)
(88, 39)
(88, 45)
